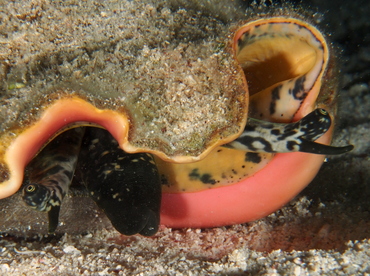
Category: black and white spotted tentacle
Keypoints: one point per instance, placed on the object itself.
(126, 186)
(261, 136)
(51, 173)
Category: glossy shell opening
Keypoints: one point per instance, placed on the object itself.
(283, 61)
(268, 58)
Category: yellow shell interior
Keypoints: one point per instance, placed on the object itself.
(274, 53)
(278, 55)
(270, 60)
(221, 167)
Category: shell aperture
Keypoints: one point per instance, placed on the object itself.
(283, 60)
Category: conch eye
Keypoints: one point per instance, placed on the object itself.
(323, 111)
(30, 188)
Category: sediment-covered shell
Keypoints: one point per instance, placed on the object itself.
(179, 94)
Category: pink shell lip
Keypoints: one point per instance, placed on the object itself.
(250, 199)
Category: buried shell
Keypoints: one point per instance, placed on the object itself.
(294, 82)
